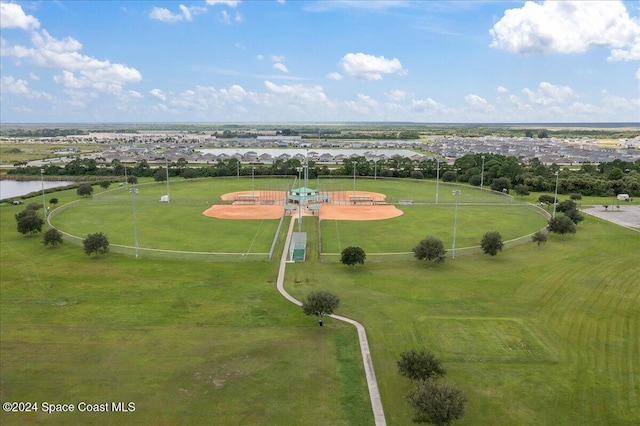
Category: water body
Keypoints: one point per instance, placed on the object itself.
(16, 188)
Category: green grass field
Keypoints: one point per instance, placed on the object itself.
(532, 336)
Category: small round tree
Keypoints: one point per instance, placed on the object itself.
(105, 184)
(420, 365)
(352, 256)
(320, 303)
(492, 243)
(30, 223)
(539, 238)
(54, 201)
(430, 248)
(562, 225)
(97, 243)
(84, 190)
(53, 237)
(437, 404)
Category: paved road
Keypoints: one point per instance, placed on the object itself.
(374, 393)
(627, 215)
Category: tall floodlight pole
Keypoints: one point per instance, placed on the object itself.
(166, 165)
(375, 165)
(555, 197)
(299, 170)
(253, 184)
(437, 177)
(354, 177)
(44, 205)
(133, 192)
(455, 223)
(482, 174)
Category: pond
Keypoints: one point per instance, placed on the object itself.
(16, 188)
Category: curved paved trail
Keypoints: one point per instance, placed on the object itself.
(374, 393)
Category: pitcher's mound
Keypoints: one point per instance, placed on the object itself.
(244, 212)
(359, 212)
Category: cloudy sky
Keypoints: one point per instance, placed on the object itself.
(319, 61)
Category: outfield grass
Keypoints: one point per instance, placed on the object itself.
(178, 225)
(402, 233)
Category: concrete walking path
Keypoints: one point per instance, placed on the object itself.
(374, 393)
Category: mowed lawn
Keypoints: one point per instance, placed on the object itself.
(402, 233)
(178, 225)
(532, 336)
(187, 342)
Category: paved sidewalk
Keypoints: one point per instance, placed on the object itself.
(374, 393)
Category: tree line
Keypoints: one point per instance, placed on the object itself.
(501, 173)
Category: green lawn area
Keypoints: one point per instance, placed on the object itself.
(532, 336)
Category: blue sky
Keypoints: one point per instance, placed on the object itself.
(319, 61)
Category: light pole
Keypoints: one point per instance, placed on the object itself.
(166, 165)
(354, 178)
(482, 174)
(555, 197)
(133, 192)
(455, 223)
(299, 170)
(437, 178)
(44, 205)
(253, 185)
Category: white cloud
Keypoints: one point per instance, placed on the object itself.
(426, 105)
(226, 18)
(630, 54)
(19, 87)
(567, 27)
(334, 76)
(186, 14)
(277, 58)
(502, 89)
(369, 67)
(260, 57)
(396, 95)
(478, 103)
(158, 94)
(230, 3)
(49, 52)
(548, 93)
(12, 16)
(281, 67)
(363, 105)
(298, 93)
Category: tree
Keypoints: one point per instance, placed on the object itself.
(492, 243)
(420, 365)
(132, 180)
(105, 184)
(547, 199)
(561, 225)
(417, 174)
(84, 190)
(320, 303)
(54, 201)
(189, 173)
(574, 215)
(522, 190)
(29, 222)
(449, 176)
(436, 404)
(539, 238)
(500, 184)
(566, 205)
(53, 237)
(430, 248)
(353, 255)
(575, 196)
(96, 243)
(160, 175)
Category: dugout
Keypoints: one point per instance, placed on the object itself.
(298, 247)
